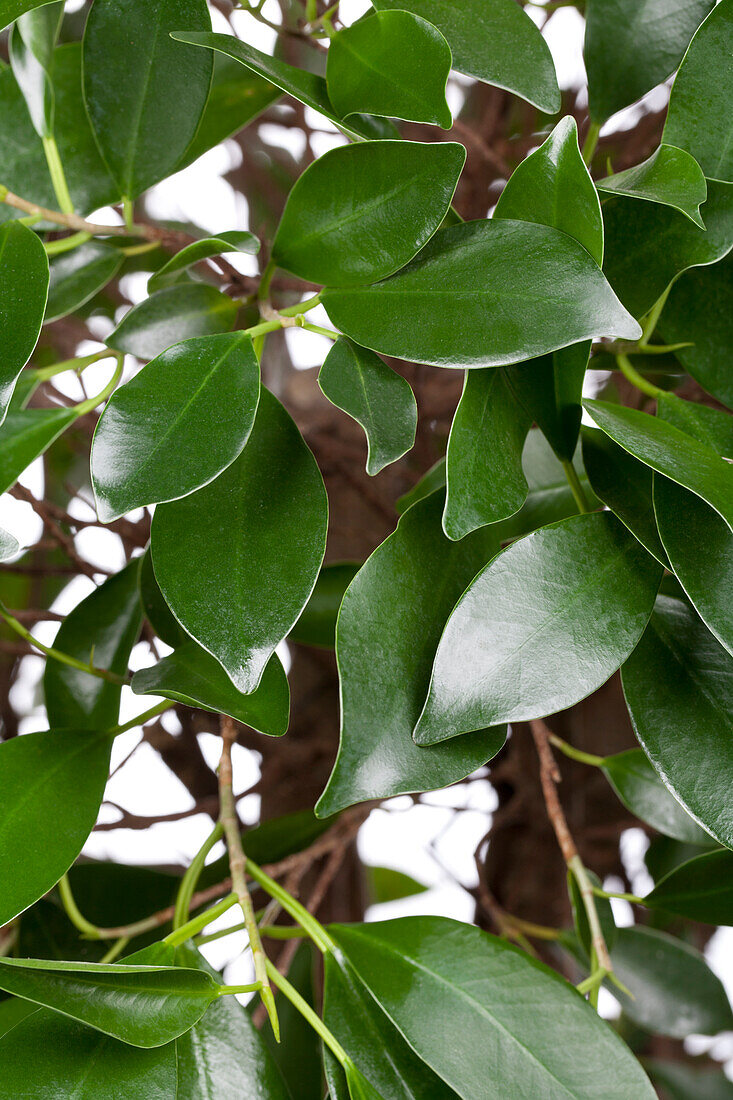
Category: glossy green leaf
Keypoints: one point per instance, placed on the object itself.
(237, 560)
(673, 990)
(173, 269)
(9, 545)
(678, 685)
(361, 212)
(432, 479)
(51, 785)
(12, 1011)
(648, 245)
(492, 41)
(698, 117)
(388, 627)
(359, 382)
(176, 425)
(669, 176)
(23, 291)
(171, 316)
(484, 477)
(144, 92)
(391, 63)
(385, 884)
(642, 792)
(632, 45)
(10, 10)
(701, 889)
(30, 50)
(104, 626)
(191, 675)
(145, 1006)
(317, 623)
(157, 612)
(520, 290)
(77, 275)
(541, 627)
(479, 1011)
(683, 1082)
(26, 434)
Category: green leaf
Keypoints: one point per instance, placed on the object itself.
(171, 316)
(51, 785)
(30, 50)
(431, 480)
(642, 792)
(237, 560)
(104, 626)
(633, 45)
(384, 884)
(144, 92)
(10, 10)
(145, 1006)
(361, 212)
(669, 176)
(191, 675)
(23, 291)
(172, 270)
(388, 627)
(391, 63)
(272, 841)
(9, 545)
(625, 485)
(648, 245)
(176, 425)
(12, 1011)
(484, 477)
(541, 627)
(478, 1010)
(520, 290)
(317, 623)
(682, 1082)
(494, 42)
(701, 889)
(580, 915)
(299, 1054)
(157, 612)
(26, 434)
(698, 117)
(77, 275)
(678, 685)
(360, 383)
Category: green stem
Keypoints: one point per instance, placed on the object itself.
(58, 179)
(329, 332)
(192, 927)
(230, 990)
(128, 213)
(91, 404)
(263, 289)
(307, 1013)
(91, 931)
(638, 380)
(191, 877)
(301, 307)
(115, 950)
(653, 316)
(633, 898)
(659, 349)
(56, 654)
(66, 244)
(591, 142)
(577, 754)
(298, 912)
(142, 719)
(577, 868)
(78, 364)
(575, 487)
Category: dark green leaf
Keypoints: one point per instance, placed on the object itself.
(191, 675)
(669, 176)
(23, 291)
(391, 63)
(664, 854)
(682, 1082)
(157, 612)
(172, 270)
(144, 92)
(632, 45)
(360, 212)
(298, 1054)
(360, 383)
(77, 275)
(26, 434)
(51, 785)
(384, 884)
(12, 1011)
(104, 626)
(642, 792)
(10, 10)
(480, 1012)
(388, 628)
(520, 290)
(679, 689)
(493, 41)
(698, 117)
(484, 478)
(171, 316)
(433, 479)
(701, 889)
(317, 623)
(237, 560)
(176, 425)
(541, 627)
(580, 915)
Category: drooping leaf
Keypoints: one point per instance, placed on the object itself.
(391, 63)
(492, 41)
(478, 1010)
(51, 785)
(643, 793)
(26, 434)
(173, 269)
(102, 628)
(485, 482)
(77, 275)
(541, 627)
(701, 889)
(172, 315)
(361, 212)
(317, 622)
(191, 675)
(144, 92)
(632, 45)
(698, 118)
(176, 425)
(678, 685)
(237, 560)
(23, 291)
(503, 278)
(669, 176)
(388, 627)
(359, 382)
